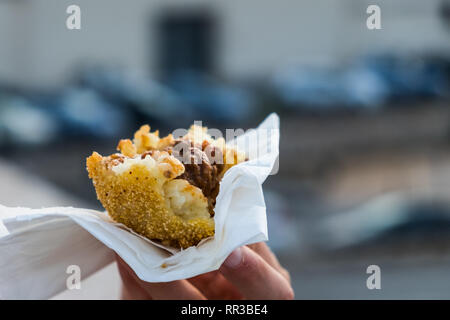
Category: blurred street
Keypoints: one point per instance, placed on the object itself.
(414, 263)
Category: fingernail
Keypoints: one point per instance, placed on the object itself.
(234, 259)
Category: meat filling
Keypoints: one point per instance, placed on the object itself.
(203, 166)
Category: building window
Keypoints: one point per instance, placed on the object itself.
(186, 43)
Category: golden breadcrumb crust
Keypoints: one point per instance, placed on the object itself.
(136, 199)
(141, 192)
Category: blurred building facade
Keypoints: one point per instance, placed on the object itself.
(234, 39)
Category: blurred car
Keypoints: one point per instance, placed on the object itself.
(137, 93)
(369, 83)
(22, 122)
(211, 99)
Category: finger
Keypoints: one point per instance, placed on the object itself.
(254, 277)
(174, 290)
(131, 290)
(214, 286)
(264, 251)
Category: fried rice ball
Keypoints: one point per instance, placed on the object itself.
(151, 188)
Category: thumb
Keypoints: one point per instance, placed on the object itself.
(254, 277)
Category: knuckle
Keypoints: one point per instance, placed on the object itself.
(250, 267)
(288, 294)
(286, 274)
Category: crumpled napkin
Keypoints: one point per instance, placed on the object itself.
(38, 245)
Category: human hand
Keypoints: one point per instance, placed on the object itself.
(249, 272)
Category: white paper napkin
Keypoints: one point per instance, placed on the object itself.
(38, 245)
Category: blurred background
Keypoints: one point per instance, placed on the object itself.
(365, 120)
